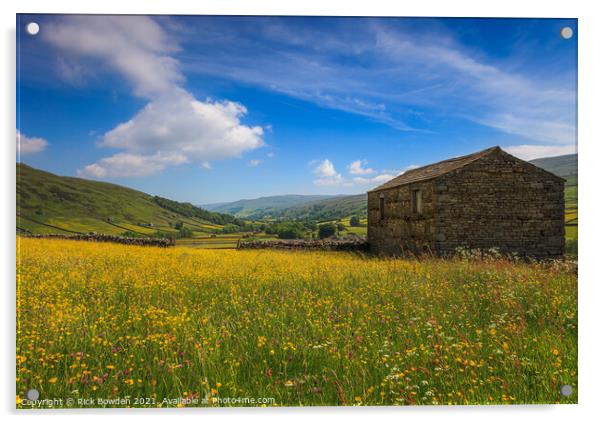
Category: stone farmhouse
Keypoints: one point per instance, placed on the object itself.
(484, 200)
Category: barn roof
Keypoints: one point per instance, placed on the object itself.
(434, 170)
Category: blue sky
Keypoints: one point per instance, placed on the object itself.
(211, 109)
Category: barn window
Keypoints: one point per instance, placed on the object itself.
(381, 206)
(417, 201)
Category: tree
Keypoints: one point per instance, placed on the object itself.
(340, 227)
(290, 230)
(327, 230)
(185, 232)
(230, 228)
(354, 221)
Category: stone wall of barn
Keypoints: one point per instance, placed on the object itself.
(500, 202)
(401, 231)
(497, 202)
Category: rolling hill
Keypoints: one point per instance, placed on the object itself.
(262, 207)
(564, 166)
(329, 209)
(342, 206)
(47, 203)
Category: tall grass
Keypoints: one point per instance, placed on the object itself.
(303, 328)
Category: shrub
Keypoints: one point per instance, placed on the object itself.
(570, 248)
(290, 230)
(162, 234)
(354, 221)
(327, 230)
(185, 232)
(230, 229)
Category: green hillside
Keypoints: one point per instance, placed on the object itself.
(564, 166)
(47, 203)
(329, 209)
(263, 207)
(343, 206)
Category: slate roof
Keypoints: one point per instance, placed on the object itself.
(434, 170)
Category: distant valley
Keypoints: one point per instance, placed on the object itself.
(323, 208)
(47, 203)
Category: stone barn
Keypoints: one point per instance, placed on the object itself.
(488, 199)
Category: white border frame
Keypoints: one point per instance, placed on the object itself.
(590, 138)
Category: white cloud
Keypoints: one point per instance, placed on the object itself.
(254, 162)
(325, 169)
(30, 145)
(382, 177)
(201, 130)
(394, 71)
(270, 155)
(174, 127)
(327, 175)
(336, 180)
(122, 165)
(135, 46)
(356, 168)
(511, 102)
(530, 152)
(378, 179)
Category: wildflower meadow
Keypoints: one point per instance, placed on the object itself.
(106, 321)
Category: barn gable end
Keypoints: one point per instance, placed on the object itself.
(489, 199)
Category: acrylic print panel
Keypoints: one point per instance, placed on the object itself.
(219, 211)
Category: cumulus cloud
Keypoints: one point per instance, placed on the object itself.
(254, 163)
(174, 127)
(530, 152)
(30, 145)
(325, 169)
(201, 130)
(327, 175)
(357, 168)
(131, 165)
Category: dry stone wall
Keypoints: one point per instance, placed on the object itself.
(148, 242)
(353, 244)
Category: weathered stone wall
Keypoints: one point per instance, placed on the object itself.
(500, 202)
(401, 231)
(145, 242)
(497, 202)
(347, 244)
